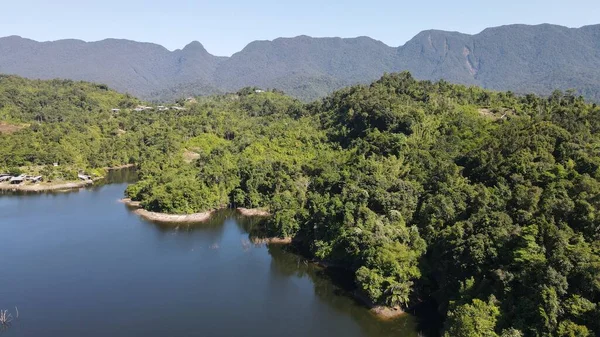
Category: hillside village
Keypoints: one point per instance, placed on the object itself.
(150, 108)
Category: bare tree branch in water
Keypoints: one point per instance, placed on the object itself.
(6, 318)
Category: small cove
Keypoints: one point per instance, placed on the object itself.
(81, 263)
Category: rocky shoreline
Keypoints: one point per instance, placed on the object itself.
(277, 241)
(199, 217)
(387, 313)
(167, 218)
(253, 212)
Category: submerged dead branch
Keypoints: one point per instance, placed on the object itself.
(6, 318)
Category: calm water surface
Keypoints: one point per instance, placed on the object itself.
(81, 264)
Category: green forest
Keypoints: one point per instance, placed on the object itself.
(484, 203)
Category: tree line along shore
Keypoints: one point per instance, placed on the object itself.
(483, 204)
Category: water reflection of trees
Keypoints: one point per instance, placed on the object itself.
(120, 176)
(190, 236)
(331, 287)
(254, 226)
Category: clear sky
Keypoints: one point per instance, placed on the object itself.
(225, 27)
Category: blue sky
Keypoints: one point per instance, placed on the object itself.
(225, 27)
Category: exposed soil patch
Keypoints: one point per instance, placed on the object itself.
(253, 211)
(496, 113)
(7, 128)
(386, 313)
(190, 156)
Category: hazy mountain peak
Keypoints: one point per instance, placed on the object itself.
(12, 37)
(195, 47)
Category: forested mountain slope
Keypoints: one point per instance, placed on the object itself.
(519, 58)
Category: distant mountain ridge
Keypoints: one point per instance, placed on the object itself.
(520, 58)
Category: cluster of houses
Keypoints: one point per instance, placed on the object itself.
(143, 108)
(147, 108)
(15, 180)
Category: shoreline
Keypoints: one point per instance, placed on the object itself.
(273, 240)
(387, 313)
(164, 217)
(259, 212)
(200, 217)
(45, 187)
(379, 311)
(58, 186)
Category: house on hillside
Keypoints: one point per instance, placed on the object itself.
(84, 177)
(162, 108)
(17, 180)
(142, 108)
(115, 110)
(35, 179)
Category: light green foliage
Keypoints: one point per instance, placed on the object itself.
(511, 332)
(570, 329)
(66, 122)
(206, 143)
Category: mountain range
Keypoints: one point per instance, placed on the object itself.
(520, 58)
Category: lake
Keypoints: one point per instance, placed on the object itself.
(82, 264)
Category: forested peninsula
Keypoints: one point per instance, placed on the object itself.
(484, 203)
